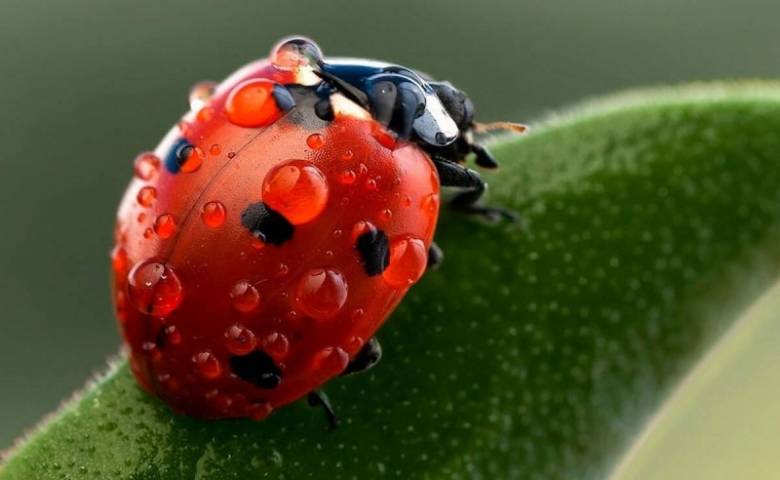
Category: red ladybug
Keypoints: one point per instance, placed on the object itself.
(274, 229)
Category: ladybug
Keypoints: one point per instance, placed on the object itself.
(269, 235)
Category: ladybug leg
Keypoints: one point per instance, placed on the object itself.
(319, 399)
(435, 256)
(483, 158)
(452, 174)
(366, 358)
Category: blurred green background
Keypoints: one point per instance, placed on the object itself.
(88, 84)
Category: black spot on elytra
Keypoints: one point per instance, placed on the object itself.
(257, 368)
(374, 251)
(267, 224)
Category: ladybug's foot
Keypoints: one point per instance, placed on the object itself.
(435, 256)
(368, 356)
(319, 399)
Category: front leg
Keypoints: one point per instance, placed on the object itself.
(453, 174)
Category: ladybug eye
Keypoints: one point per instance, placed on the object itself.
(295, 53)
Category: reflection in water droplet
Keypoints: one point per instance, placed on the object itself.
(408, 259)
(321, 293)
(154, 288)
(296, 189)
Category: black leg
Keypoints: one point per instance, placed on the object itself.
(435, 256)
(319, 399)
(452, 174)
(366, 358)
(483, 158)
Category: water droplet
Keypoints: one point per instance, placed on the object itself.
(146, 166)
(172, 335)
(204, 114)
(315, 141)
(347, 177)
(185, 128)
(231, 154)
(215, 149)
(154, 288)
(430, 203)
(321, 293)
(213, 214)
(218, 401)
(119, 260)
(331, 360)
(354, 344)
(407, 201)
(259, 411)
(408, 259)
(200, 94)
(244, 296)
(207, 365)
(240, 340)
(337, 233)
(165, 226)
(362, 169)
(386, 215)
(360, 228)
(294, 53)
(251, 104)
(357, 314)
(141, 217)
(371, 184)
(282, 269)
(148, 233)
(296, 189)
(276, 345)
(347, 155)
(146, 196)
(257, 244)
(189, 158)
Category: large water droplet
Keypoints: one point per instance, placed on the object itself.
(213, 214)
(200, 94)
(189, 158)
(207, 365)
(146, 196)
(294, 53)
(321, 293)
(408, 259)
(240, 340)
(251, 104)
(154, 288)
(244, 296)
(146, 166)
(296, 189)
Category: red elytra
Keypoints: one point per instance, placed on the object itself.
(195, 289)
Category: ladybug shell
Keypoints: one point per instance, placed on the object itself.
(220, 323)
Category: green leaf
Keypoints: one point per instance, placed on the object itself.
(651, 222)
